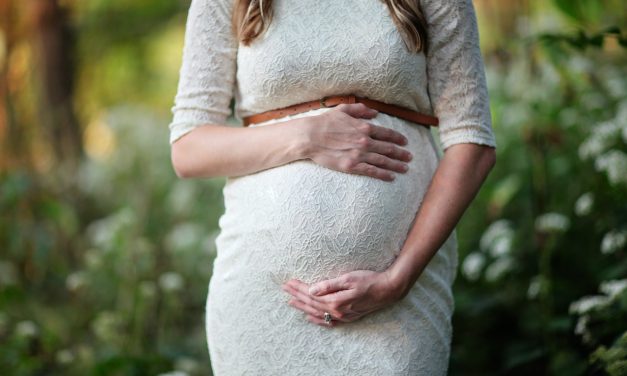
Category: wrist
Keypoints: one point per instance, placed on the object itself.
(399, 282)
(300, 140)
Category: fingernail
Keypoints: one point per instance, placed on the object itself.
(314, 290)
(411, 156)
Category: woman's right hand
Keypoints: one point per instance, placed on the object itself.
(342, 140)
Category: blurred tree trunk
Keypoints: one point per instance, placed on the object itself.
(502, 22)
(10, 137)
(53, 49)
(46, 69)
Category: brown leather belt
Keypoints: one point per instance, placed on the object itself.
(331, 101)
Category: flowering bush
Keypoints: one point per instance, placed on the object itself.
(556, 225)
(122, 290)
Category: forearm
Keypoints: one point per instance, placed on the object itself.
(460, 173)
(219, 150)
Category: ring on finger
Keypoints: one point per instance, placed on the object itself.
(327, 318)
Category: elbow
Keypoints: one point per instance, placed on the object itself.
(181, 174)
(187, 164)
(179, 168)
(489, 158)
(179, 162)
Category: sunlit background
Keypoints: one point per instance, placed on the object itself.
(105, 255)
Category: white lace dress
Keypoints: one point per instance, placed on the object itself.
(302, 220)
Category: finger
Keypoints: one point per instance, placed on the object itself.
(357, 110)
(305, 298)
(328, 286)
(299, 285)
(305, 307)
(325, 303)
(319, 313)
(387, 134)
(385, 162)
(321, 322)
(390, 150)
(338, 299)
(364, 168)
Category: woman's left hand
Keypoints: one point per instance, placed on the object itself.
(347, 298)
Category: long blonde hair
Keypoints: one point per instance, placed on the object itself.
(252, 17)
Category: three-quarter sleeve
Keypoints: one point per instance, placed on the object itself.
(456, 74)
(207, 72)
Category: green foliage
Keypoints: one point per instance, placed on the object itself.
(581, 40)
(614, 359)
(557, 217)
(592, 12)
(104, 294)
(600, 318)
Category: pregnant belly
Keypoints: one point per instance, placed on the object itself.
(302, 220)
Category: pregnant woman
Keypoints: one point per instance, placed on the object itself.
(337, 249)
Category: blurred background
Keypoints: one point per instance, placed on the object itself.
(105, 255)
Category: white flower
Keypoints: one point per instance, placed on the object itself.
(613, 287)
(102, 232)
(184, 236)
(174, 373)
(587, 303)
(552, 222)
(583, 205)
(614, 163)
(498, 268)
(535, 285)
(75, 280)
(613, 241)
(187, 364)
(581, 326)
(591, 147)
(64, 356)
(615, 85)
(501, 246)
(26, 328)
(472, 265)
(171, 281)
(602, 136)
(497, 238)
(496, 229)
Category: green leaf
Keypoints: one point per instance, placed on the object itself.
(569, 8)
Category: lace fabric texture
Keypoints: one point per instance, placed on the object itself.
(302, 220)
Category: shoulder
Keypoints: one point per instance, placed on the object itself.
(213, 5)
(441, 10)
